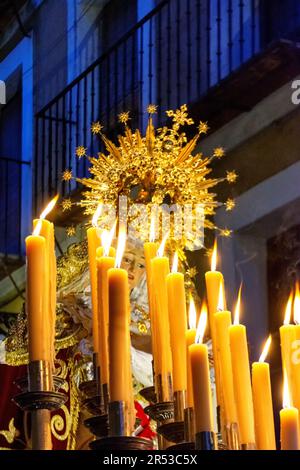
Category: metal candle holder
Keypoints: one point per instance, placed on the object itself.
(206, 440)
(189, 425)
(40, 400)
(232, 436)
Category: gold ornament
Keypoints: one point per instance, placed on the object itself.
(80, 151)
(225, 232)
(124, 117)
(230, 204)
(231, 176)
(67, 175)
(66, 205)
(160, 167)
(152, 109)
(203, 128)
(71, 231)
(96, 127)
(219, 152)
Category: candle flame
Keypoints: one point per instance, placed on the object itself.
(96, 215)
(37, 228)
(152, 228)
(266, 349)
(44, 214)
(121, 245)
(214, 255)
(288, 310)
(201, 324)
(238, 307)
(49, 207)
(107, 238)
(175, 263)
(192, 314)
(161, 249)
(221, 300)
(286, 400)
(297, 304)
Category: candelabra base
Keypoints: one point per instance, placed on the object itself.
(94, 405)
(48, 400)
(98, 425)
(89, 388)
(161, 412)
(120, 443)
(149, 394)
(249, 446)
(206, 441)
(22, 383)
(183, 447)
(173, 432)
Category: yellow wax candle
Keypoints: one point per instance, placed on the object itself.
(222, 323)
(289, 421)
(46, 230)
(37, 303)
(287, 338)
(289, 429)
(150, 251)
(160, 270)
(163, 360)
(177, 320)
(214, 280)
(104, 263)
(198, 356)
(295, 357)
(93, 244)
(242, 379)
(262, 402)
(190, 336)
(119, 337)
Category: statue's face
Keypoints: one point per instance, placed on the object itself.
(134, 263)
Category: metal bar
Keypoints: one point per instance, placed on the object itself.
(50, 154)
(241, 40)
(230, 41)
(107, 53)
(14, 160)
(219, 50)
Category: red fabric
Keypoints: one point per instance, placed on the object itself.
(144, 422)
(8, 409)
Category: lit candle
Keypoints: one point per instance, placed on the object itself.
(177, 319)
(214, 279)
(287, 338)
(222, 321)
(289, 420)
(37, 300)
(41, 326)
(262, 401)
(105, 256)
(93, 237)
(242, 379)
(163, 360)
(150, 250)
(295, 357)
(190, 337)
(198, 356)
(120, 381)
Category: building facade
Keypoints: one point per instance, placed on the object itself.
(66, 63)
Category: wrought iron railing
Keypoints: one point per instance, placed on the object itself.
(174, 55)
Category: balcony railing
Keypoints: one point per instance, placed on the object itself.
(173, 56)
